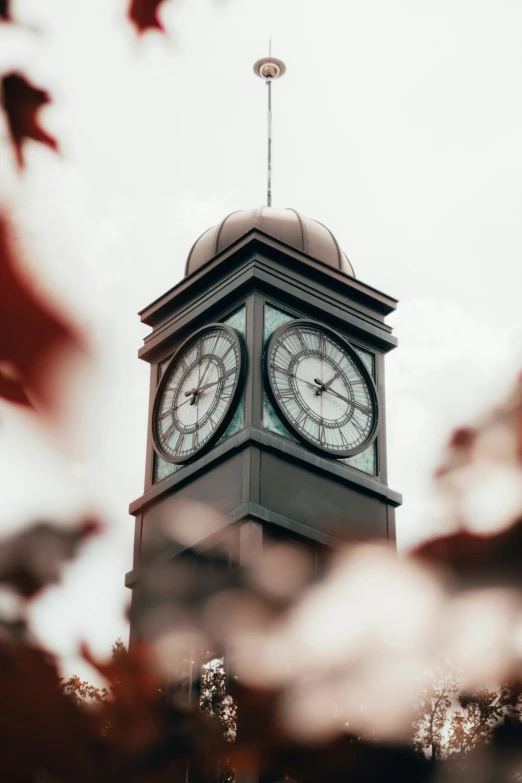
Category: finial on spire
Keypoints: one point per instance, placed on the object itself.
(269, 68)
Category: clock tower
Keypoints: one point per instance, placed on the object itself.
(267, 391)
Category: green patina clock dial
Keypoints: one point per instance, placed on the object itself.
(198, 393)
(321, 388)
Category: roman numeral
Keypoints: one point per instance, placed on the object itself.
(357, 426)
(285, 394)
(282, 344)
(170, 386)
(214, 347)
(345, 442)
(278, 368)
(177, 445)
(301, 418)
(165, 414)
(301, 340)
(322, 432)
(168, 432)
(227, 351)
(322, 343)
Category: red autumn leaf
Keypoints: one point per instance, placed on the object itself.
(5, 11)
(41, 728)
(30, 332)
(476, 559)
(144, 15)
(21, 103)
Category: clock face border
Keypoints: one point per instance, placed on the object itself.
(287, 420)
(232, 405)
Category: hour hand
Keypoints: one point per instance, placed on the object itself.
(329, 383)
(326, 386)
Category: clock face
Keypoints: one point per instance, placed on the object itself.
(321, 388)
(197, 393)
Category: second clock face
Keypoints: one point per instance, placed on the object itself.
(197, 393)
(321, 388)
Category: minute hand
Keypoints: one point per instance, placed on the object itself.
(291, 375)
(208, 385)
(358, 405)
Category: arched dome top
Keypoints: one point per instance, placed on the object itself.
(287, 225)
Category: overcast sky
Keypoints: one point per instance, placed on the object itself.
(398, 125)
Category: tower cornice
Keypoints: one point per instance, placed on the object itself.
(258, 261)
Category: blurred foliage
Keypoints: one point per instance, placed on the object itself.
(332, 674)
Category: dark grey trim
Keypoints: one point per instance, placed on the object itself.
(261, 273)
(344, 473)
(149, 314)
(247, 510)
(265, 515)
(187, 471)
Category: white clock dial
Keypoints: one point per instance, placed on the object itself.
(321, 388)
(197, 393)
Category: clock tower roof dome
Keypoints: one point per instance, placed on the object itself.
(287, 225)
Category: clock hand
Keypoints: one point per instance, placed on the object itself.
(291, 375)
(324, 386)
(195, 392)
(203, 376)
(208, 385)
(184, 401)
(327, 385)
(353, 403)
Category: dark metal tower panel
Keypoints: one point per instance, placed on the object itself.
(259, 470)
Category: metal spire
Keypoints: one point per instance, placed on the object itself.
(269, 69)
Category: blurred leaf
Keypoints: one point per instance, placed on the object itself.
(5, 11)
(481, 560)
(14, 630)
(33, 559)
(30, 332)
(40, 727)
(21, 103)
(144, 15)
